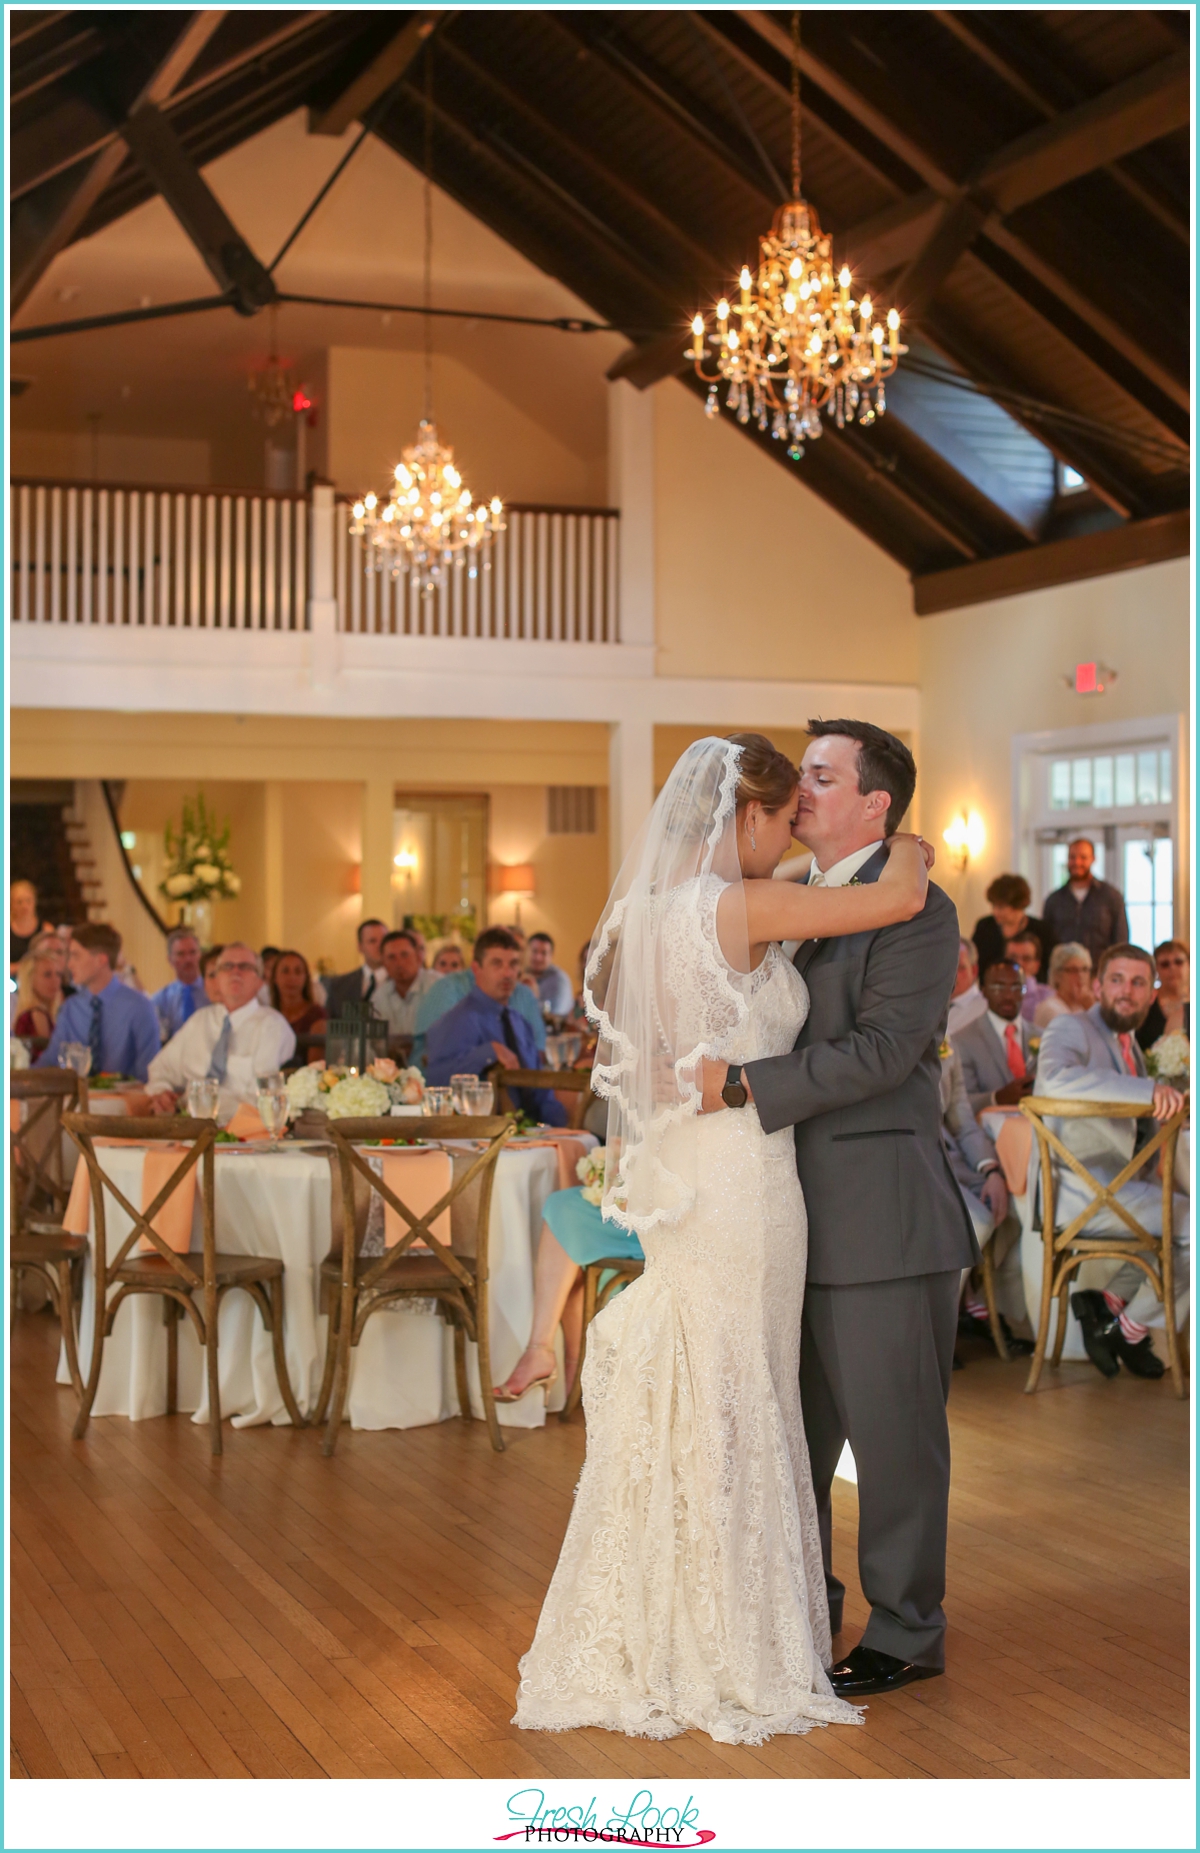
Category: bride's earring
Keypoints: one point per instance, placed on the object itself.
(750, 833)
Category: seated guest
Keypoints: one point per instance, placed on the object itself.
(1025, 950)
(551, 983)
(972, 1159)
(1170, 1014)
(408, 981)
(208, 973)
(994, 1048)
(574, 1234)
(230, 1042)
(118, 1024)
(360, 985)
(451, 990)
(1070, 984)
(185, 993)
(268, 955)
(1086, 910)
(486, 1028)
(966, 999)
(39, 994)
(24, 922)
(292, 994)
(1096, 1057)
(448, 959)
(1008, 897)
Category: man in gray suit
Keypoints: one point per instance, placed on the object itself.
(994, 1048)
(1095, 1056)
(979, 1177)
(888, 1233)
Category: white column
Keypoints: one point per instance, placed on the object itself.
(631, 489)
(274, 793)
(324, 642)
(630, 785)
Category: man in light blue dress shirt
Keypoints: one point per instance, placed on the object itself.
(484, 1029)
(185, 993)
(119, 1025)
(554, 988)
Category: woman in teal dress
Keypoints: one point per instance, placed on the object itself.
(574, 1234)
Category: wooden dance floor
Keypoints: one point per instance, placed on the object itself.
(279, 1614)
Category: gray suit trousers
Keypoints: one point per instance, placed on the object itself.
(875, 1366)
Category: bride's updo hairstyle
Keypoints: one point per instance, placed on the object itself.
(765, 775)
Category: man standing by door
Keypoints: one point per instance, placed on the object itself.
(1085, 910)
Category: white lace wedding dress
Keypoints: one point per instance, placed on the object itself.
(689, 1593)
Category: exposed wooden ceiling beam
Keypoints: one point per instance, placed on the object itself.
(1058, 562)
(386, 68)
(42, 223)
(170, 168)
(954, 230)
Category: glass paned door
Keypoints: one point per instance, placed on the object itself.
(1147, 870)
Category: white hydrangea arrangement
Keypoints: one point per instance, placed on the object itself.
(590, 1172)
(1170, 1059)
(18, 1053)
(344, 1094)
(200, 867)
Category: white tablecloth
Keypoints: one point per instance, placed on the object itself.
(279, 1203)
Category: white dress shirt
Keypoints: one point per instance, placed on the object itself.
(401, 1012)
(261, 1041)
(842, 873)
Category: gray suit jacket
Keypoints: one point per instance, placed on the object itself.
(967, 1145)
(984, 1062)
(1080, 1059)
(861, 1088)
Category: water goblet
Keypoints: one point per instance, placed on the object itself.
(272, 1111)
(202, 1099)
(438, 1101)
(458, 1086)
(478, 1098)
(76, 1055)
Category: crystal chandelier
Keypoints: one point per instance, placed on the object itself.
(429, 521)
(273, 389)
(795, 342)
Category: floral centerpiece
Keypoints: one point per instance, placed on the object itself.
(1170, 1059)
(198, 854)
(344, 1094)
(590, 1172)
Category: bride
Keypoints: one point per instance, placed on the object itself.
(689, 1593)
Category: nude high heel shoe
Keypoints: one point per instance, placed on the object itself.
(504, 1395)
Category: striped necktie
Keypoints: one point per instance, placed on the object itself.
(219, 1060)
(94, 1032)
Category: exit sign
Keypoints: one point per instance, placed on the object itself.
(1092, 678)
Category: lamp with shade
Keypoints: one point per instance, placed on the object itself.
(517, 879)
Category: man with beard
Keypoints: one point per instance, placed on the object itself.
(1095, 1056)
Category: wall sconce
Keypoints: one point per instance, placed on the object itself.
(406, 862)
(965, 838)
(518, 879)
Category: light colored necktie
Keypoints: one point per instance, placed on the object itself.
(1016, 1058)
(816, 879)
(1126, 1042)
(219, 1060)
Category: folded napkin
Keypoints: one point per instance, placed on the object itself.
(569, 1149)
(418, 1177)
(174, 1220)
(247, 1123)
(1014, 1143)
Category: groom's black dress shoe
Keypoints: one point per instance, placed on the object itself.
(865, 1671)
(1141, 1358)
(1100, 1330)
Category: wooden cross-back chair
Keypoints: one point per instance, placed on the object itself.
(509, 1081)
(354, 1285)
(179, 1279)
(1065, 1250)
(38, 1192)
(597, 1292)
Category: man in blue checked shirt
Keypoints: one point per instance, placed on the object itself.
(485, 1029)
(185, 993)
(118, 1024)
(451, 990)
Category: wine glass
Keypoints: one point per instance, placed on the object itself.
(203, 1098)
(439, 1101)
(272, 1104)
(478, 1097)
(76, 1055)
(458, 1086)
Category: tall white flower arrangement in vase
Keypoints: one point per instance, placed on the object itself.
(199, 868)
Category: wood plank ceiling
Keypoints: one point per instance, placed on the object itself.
(1017, 181)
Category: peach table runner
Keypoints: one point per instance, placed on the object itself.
(174, 1220)
(247, 1123)
(419, 1177)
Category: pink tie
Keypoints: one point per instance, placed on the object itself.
(1126, 1043)
(1016, 1058)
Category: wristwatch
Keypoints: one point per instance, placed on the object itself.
(734, 1092)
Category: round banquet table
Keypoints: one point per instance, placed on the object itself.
(280, 1203)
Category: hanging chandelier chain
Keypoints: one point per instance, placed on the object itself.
(428, 291)
(796, 170)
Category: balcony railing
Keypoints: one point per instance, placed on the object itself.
(132, 556)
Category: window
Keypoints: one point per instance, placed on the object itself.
(1070, 482)
(1106, 780)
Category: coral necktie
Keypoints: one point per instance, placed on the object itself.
(1016, 1057)
(1126, 1043)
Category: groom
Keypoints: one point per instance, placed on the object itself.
(888, 1234)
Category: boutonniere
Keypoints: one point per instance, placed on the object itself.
(1035, 1043)
(854, 882)
(945, 1051)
